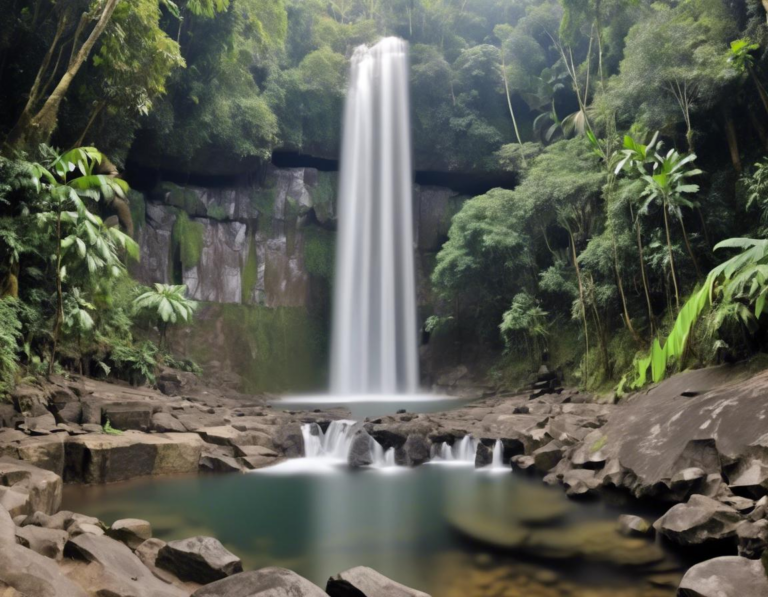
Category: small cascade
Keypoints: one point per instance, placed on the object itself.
(389, 458)
(462, 452)
(313, 440)
(382, 459)
(498, 455)
(335, 443)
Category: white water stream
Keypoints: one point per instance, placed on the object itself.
(374, 338)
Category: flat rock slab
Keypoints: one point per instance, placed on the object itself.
(366, 582)
(658, 433)
(29, 573)
(267, 582)
(114, 569)
(729, 576)
(110, 458)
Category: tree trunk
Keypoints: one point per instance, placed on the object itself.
(758, 84)
(509, 105)
(59, 297)
(688, 247)
(583, 308)
(620, 286)
(38, 128)
(671, 257)
(102, 104)
(642, 273)
(733, 143)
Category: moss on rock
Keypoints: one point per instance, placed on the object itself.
(188, 240)
(319, 251)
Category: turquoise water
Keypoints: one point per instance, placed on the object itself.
(401, 523)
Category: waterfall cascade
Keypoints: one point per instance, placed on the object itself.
(374, 339)
(460, 452)
(336, 442)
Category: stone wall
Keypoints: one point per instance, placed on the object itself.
(254, 268)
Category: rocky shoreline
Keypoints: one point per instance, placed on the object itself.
(697, 443)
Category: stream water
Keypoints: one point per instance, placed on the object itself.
(433, 528)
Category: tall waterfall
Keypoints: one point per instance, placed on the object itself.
(374, 341)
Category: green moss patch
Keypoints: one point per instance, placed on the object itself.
(319, 251)
(250, 271)
(188, 240)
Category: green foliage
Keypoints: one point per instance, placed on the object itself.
(10, 336)
(109, 430)
(527, 320)
(168, 303)
(737, 287)
(137, 363)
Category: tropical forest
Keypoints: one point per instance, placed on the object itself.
(384, 298)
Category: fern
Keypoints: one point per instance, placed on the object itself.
(736, 283)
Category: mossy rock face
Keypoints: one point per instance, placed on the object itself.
(185, 199)
(188, 240)
(324, 196)
(272, 349)
(319, 252)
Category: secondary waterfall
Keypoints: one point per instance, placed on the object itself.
(462, 451)
(374, 339)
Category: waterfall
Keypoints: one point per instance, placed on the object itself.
(374, 338)
(335, 443)
(498, 455)
(462, 452)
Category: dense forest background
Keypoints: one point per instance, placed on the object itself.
(630, 137)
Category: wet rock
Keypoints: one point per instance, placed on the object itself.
(164, 422)
(580, 482)
(47, 542)
(198, 559)
(416, 450)
(483, 455)
(266, 582)
(366, 582)
(729, 576)
(289, 440)
(751, 479)
(131, 531)
(25, 488)
(113, 569)
(753, 538)
(361, 450)
(221, 436)
(26, 573)
(546, 457)
(633, 526)
(44, 452)
(218, 461)
(522, 462)
(698, 521)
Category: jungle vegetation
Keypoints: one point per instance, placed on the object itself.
(637, 131)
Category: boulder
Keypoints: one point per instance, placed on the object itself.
(580, 482)
(361, 450)
(110, 568)
(46, 452)
(91, 412)
(415, 450)
(366, 582)
(483, 455)
(728, 576)
(700, 520)
(72, 412)
(26, 488)
(633, 526)
(266, 582)
(753, 538)
(221, 436)
(546, 457)
(131, 531)
(198, 559)
(289, 440)
(216, 462)
(27, 573)
(750, 478)
(47, 542)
